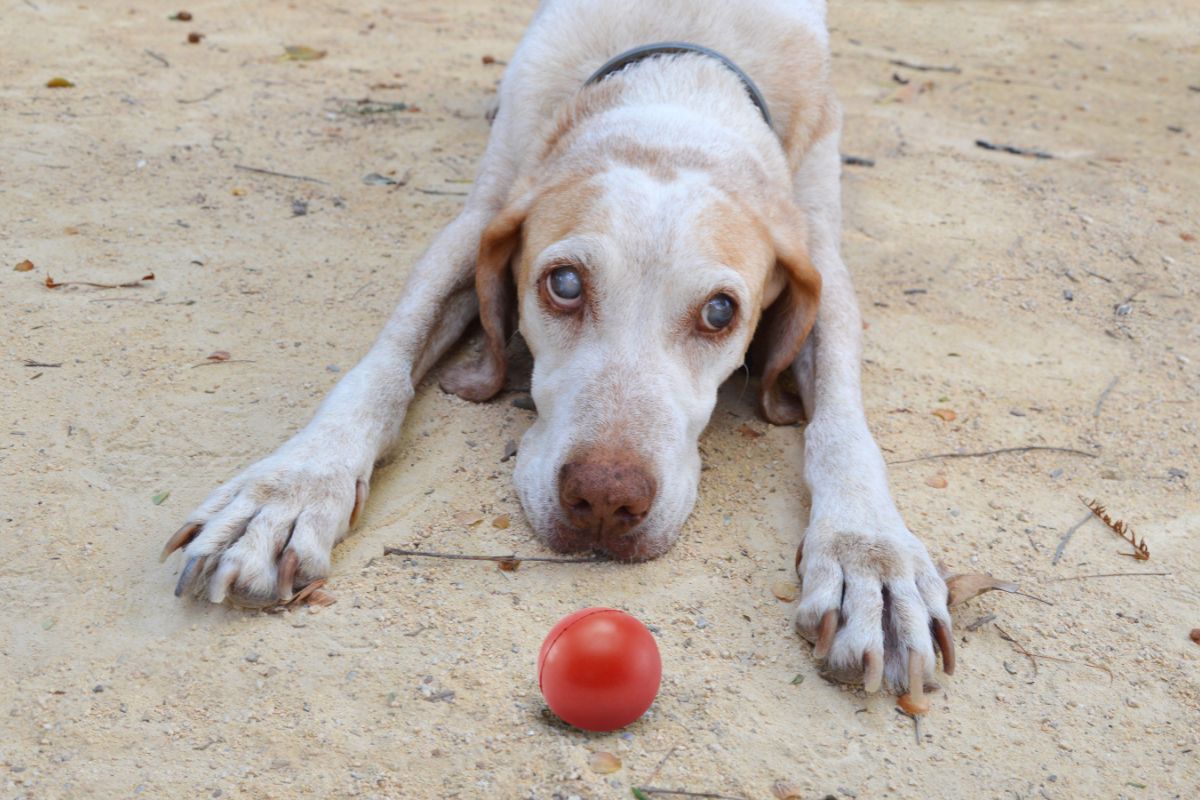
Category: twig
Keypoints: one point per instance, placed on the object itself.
(225, 361)
(916, 720)
(979, 623)
(1106, 575)
(1062, 543)
(1020, 647)
(1009, 148)
(261, 171)
(1031, 656)
(396, 551)
(684, 793)
(157, 58)
(441, 192)
(857, 161)
(31, 363)
(670, 753)
(1104, 396)
(899, 62)
(1140, 551)
(53, 284)
(1001, 451)
(211, 94)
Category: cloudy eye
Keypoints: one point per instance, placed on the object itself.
(565, 287)
(717, 312)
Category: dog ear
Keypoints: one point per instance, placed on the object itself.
(786, 323)
(483, 379)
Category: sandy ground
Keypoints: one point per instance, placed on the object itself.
(1047, 302)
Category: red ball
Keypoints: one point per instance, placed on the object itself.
(599, 669)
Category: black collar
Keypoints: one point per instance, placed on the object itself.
(620, 62)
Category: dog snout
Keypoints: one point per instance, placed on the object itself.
(606, 493)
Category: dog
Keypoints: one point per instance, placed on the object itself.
(660, 189)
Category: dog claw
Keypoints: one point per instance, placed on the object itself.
(825, 631)
(872, 671)
(915, 701)
(360, 497)
(288, 565)
(941, 633)
(188, 572)
(181, 538)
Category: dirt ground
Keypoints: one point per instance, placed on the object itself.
(1047, 302)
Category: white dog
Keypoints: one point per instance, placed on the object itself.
(641, 213)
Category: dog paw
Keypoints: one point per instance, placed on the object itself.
(271, 529)
(873, 605)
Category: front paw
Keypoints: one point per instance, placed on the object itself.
(873, 604)
(272, 528)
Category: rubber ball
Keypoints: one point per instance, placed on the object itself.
(599, 669)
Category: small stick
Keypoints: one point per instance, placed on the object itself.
(916, 719)
(396, 551)
(670, 753)
(857, 161)
(440, 192)
(899, 62)
(31, 363)
(53, 284)
(1106, 575)
(1001, 451)
(1062, 543)
(1008, 148)
(979, 623)
(1020, 647)
(684, 793)
(211, 94)
(1104, 396)
(157, 57)
(261, 171)
(226, 361)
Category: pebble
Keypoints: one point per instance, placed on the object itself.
(252, 657)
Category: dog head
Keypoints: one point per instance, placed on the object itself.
(638, 275)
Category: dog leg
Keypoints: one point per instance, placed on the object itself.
(871, 599)
(273, 527)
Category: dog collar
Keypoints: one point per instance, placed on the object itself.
(633, 56)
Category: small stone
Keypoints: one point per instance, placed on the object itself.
(97, 688)
(1068, 295)
(299, 208)
(252, 657)
(524, 402)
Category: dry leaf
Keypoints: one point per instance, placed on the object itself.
(320, 597)
(181, 16)
(301, 53)
(945, 414)
(1187, 237)
(508, 564)
(501, 522)
(785, 590)
(218, 355)
(909, 91)
(603, 763)
(59, 83)
(194, 38)
(24, 266)
(965, 587)
(937, 481)
(238, 192)
(785, 791)
(749, 432)
(1195, 635)
(468, 518)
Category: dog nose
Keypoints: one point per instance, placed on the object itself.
(605, 492)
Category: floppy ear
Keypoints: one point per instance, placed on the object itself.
(786, 324)
(494, 286)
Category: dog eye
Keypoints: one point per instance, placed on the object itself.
(565, 287)
(718, 312)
